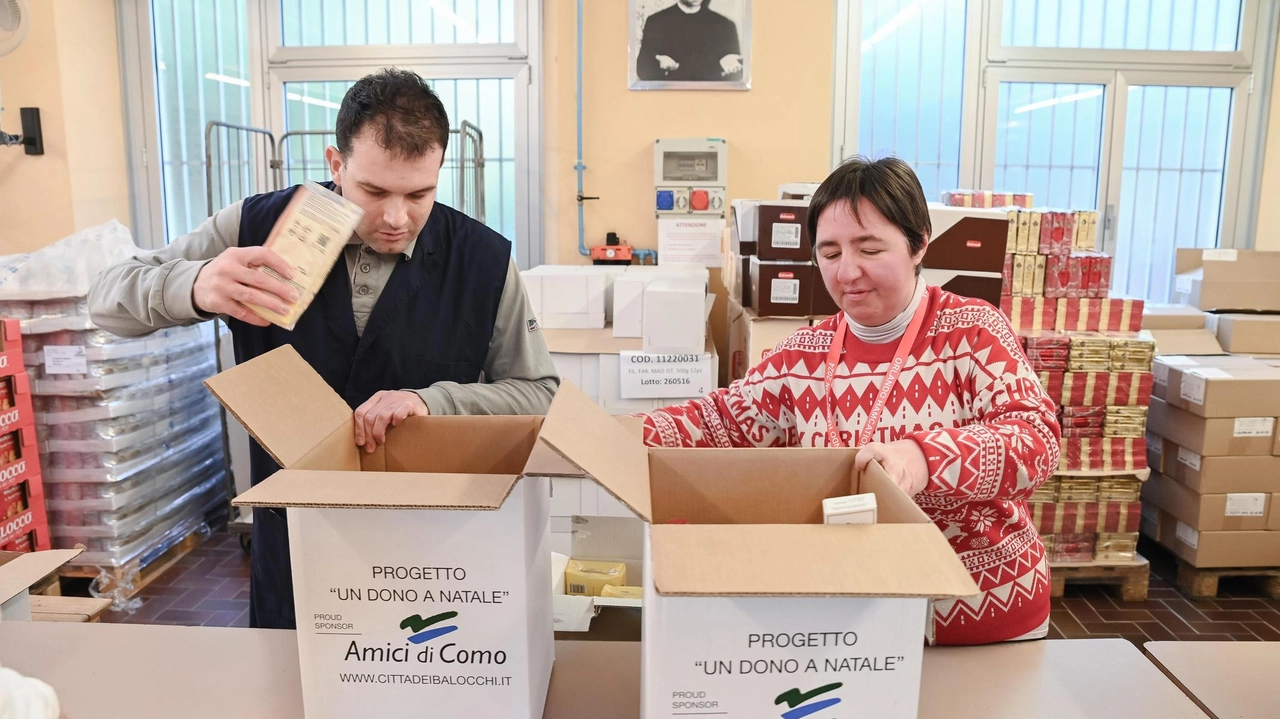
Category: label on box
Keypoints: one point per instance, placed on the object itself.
(1220, 255)
(65, 359)
(1161, 369)
(784, 292)
(1183, 285)
(664, 376)
(1253, 504)
(786, 235)
(1254, 426)
(1188, 536)
(1189, 458)
(1193, 388)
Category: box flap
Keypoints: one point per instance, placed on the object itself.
(596, 443)
(21, 571)
(1186, 342)
(379, 490)
(883, 560)
(282, 402)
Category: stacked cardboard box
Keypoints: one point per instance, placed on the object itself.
(1102, 383)
(1213, 446)
(24, 525)
(1227, 280)
(1180, 330)
(769, 260)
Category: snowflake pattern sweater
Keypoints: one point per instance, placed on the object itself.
(966, 395)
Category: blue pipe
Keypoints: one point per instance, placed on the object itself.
(582, 229)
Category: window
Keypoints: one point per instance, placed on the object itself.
(912, 81)
(283, 66)
(1142, 109)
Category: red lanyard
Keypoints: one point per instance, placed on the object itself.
(890, 377)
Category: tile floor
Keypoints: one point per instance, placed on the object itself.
(210, 587)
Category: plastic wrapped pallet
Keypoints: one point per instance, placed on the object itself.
(130, 443)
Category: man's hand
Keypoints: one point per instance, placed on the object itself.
(730, 64)
(903, 461)
(233, 280)
(383, 410)
(666, 63)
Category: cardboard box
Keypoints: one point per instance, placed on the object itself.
(1037, 288)
(1208, 512)
(1216, 392)
(1208, 550)
(783, 289)
(1186, 342)
(1168, 371)
(1246, 334)
(754, 567)
(1224, 280)
(1172, 317)
(566, 296)
(752, 338)
(675, 317)
(628, 288)
(967, 250)
(19, 572)
(1236, 436)
(432, 550)
(771, 229)
(797, 190)
(782, 231)
(1221, 475)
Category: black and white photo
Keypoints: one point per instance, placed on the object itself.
(690, 44)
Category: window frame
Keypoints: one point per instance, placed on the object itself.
(1248, 70)
(271, 64)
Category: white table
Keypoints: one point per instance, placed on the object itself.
(1233, 680)
(112, 671)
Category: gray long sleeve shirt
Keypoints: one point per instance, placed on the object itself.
(153, 290)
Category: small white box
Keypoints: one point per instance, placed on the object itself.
(628, 305)
(566, 296)
(627, 295)
(850, 509)
(675, 317)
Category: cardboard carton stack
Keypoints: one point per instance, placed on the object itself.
(987, 198)
(774, 286)
(1213, 446)
(1228, 280)
(130, 446)
(598, 321)
(24, 526)
(1102, 383)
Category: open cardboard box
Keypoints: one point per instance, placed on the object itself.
(427, 561)
(20, 570)
(754, 596)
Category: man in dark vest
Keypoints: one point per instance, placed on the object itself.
(689, 42)
(426, 314)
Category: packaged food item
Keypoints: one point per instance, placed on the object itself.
(1073, 548)
(1117, 547)
(586, 578)
(13, 501)
(10, 447)
(850, 509)
(622, 592)
(309, 236)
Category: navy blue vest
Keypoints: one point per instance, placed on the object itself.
(433, 323)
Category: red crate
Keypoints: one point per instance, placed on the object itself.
(16, 408)
(10, 347)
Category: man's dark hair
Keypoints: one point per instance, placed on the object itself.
(889, 184)
(404, 113)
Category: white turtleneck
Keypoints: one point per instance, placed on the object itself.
(894, 328)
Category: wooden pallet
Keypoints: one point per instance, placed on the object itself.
(68, 609)
(126, 581)
(1133, 577)
(1203, 583)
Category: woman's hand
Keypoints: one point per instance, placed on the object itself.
(903, 461)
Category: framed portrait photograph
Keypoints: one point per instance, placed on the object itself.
(690, 45)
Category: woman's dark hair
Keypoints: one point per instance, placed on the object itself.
(889, 184)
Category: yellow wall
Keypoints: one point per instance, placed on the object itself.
(779, 131)
(69, 68)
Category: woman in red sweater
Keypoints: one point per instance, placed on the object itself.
(934, 386)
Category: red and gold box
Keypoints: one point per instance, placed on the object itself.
(10, 347)
(1085, 389)
(1109, 454)
(1065, 517)
(1052, 383)
(1129, 389)
(1119, 516)
(1030, 314)
(16, 409)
